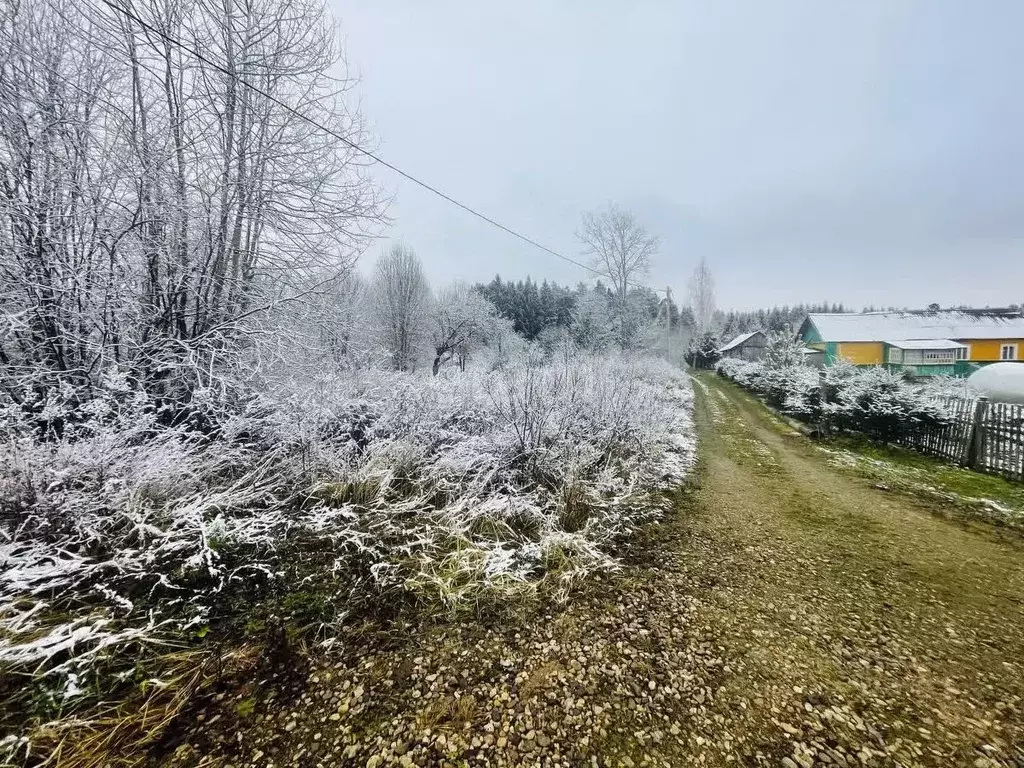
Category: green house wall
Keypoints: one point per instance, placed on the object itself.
(923, 370)
(831, 352)
(809, 334)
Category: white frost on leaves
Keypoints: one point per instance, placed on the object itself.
(475, 481)
(873, 400)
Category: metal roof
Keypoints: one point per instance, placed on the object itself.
(926, 344)
(743, 337)
(945, 325)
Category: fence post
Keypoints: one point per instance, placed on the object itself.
(823, 399)
(977, 434)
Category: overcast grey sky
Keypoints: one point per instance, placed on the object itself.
(869, 151)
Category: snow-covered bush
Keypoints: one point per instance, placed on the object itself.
(478, 486)
(873, 401)
(882, 404)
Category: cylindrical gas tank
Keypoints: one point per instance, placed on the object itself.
(1000, 382)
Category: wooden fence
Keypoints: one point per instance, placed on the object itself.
(985, 436)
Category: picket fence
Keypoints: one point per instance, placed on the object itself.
(982, 435)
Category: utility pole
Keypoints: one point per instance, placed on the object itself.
(667, 305)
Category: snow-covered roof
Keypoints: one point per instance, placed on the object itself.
(926, 344)
(886, 326)
(743, 337)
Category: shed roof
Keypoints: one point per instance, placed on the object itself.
(739, 341)
(926, 344)
(886, 326)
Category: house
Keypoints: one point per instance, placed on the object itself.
(746, 346)
(950, 342)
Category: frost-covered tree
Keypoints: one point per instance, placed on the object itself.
(504, 345)
(530, 307)
(703, 350)
(783, 349)
(460, 320)
(400, 302)
(593, 324)
(154, 211)
(621, 249)
(702, 297)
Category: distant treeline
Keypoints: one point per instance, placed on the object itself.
(533, 307)
(784, 318)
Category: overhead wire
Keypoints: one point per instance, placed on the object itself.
(348, 142)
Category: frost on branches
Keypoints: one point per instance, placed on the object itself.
(874, 401)
(455, 490)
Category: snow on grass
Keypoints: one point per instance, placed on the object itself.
(469, 488)
(928, 478)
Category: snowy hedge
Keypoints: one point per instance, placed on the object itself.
(486, 485)
(873, 401)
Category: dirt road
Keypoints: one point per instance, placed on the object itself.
(858, 618)
(788, 614)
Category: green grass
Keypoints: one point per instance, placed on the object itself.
(984, 496)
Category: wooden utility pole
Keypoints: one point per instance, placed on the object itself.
(667, 305)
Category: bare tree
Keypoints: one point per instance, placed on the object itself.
(622, 250)
(153, 209)
(63, 291)
(702, 297)
(400, 295)
(460, 321)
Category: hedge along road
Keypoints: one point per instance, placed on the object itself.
(786, 614)
(859, 619)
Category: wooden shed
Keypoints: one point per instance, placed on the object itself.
(746, 346)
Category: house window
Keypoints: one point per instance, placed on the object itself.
(1008, 352)
(938, 357)
(963, 353)
(895, 355)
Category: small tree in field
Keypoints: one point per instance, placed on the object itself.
(400, 295)
(459, 322)
(622, 250)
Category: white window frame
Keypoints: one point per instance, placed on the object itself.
(937, 357)
(963, 353)
(1013, 352)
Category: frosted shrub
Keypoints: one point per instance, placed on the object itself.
(874, 400)
(882, 404)
(458, 490)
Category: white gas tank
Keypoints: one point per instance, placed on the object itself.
(1000, 382)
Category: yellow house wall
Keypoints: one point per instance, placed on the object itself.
(864, 352)
(987, 350)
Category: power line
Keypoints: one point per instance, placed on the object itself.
(376, 158)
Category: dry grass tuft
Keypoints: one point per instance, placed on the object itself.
(120, 735)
